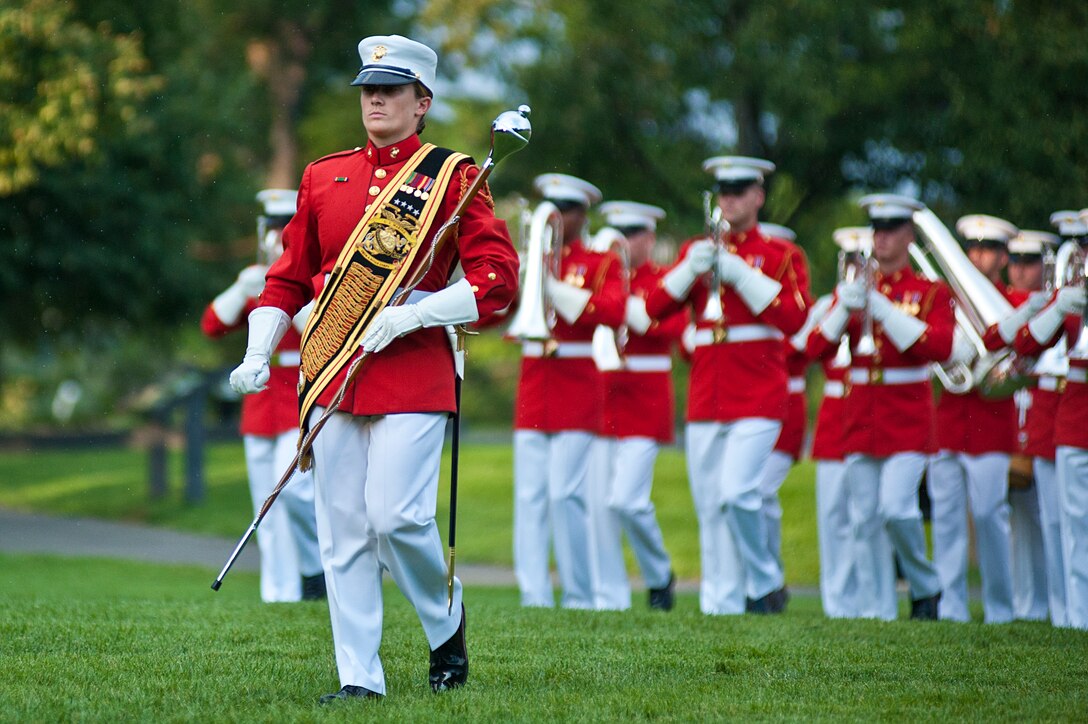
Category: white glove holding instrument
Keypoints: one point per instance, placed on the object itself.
(698, 260)
(229, 304)
(456, 304)
(1069, 300)
(638, 320)
(267, 326)
(1009, 326)
(901, 328)
(963, 352)
(754, 288)
(851, 298)
(815, 313)
(568, 300)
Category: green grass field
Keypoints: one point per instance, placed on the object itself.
(112, 484)
(113, 641)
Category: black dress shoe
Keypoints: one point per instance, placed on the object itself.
(663, 599)
(925, 609)
(313, 587)
(772, 603)
(449, 662)
(349, 692)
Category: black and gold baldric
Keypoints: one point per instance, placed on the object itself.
(371, 268)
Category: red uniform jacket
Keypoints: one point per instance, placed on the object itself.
(884, 419)
(1071, 421)
(414, 373)
(563, 393)
(640, 403)
(827, 439)
(973, 424)
(736, 380)
(792, 437)
(273, 410)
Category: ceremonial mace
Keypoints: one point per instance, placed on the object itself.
(510, 132)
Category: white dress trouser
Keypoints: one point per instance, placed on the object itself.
(956, 481)
(1029, 592)
(838, 576)
(377, 489)
(1050, 516)
(1072, 463)
(884, 494)
(607, 569)
(551, 472)
(725, 465)
(774, 474)
(287, 537)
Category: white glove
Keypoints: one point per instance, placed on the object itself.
(851, 295)
(456, 304)
(638, 320)
(229, 304)
(698, 260)
(687, 338)
(303, 316)
(963, 352)
(1009, 326)
(834, 322)
(569, 301)
(901, 328)
(267, 326)
(815, 313)
(1069, 300)
(755, 289)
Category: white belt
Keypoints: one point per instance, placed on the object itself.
(739, 333)
(1050, 383)
(647, 363)
(834, 389)
(892, 376)
(287, 358)
(796, 385)
(1077, 374)
(569, 350)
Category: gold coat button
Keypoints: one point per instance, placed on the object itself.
(374, 190)
(368, 207)
(380, 173)
(491, 276)
(475, 288)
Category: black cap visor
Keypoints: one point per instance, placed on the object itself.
(1022, 258)
(384, 75)
(995, 244)
(889, 224)
(734, 188)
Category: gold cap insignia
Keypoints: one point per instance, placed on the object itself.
(379, 52)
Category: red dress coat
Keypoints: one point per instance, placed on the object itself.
(639, 402)
(827, 439)
(561, 393)
(882, 419)
(274, 410)
(733, 380)
(1071, 416)
(972, 424)
(414, 373)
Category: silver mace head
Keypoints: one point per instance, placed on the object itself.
(510, 132)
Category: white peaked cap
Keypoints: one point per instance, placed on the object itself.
(1032, 242)
(627, 214)
(890, 206)
(396, 60)
(738, 169)
(1070, 223)
(278, 202)
(561, 187)
(777, 231)
(982, 226)
(853, 238)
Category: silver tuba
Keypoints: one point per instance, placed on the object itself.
(608, 343)
(979, 305)
(543, 241)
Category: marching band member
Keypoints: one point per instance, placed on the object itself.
(975, 437)
(637, 409)
(738, 393)
(557, 409)
(287, 539)
(838, 570)
(376, 461)
(888, 410)
(1064, 315)
(1030, 584)
(787, 450)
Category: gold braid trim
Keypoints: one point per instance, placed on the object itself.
(356, 291)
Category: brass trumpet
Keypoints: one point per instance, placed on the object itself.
(716, 229)
(1071, 269)
(543, 241)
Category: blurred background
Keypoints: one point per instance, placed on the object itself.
(134, 136)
